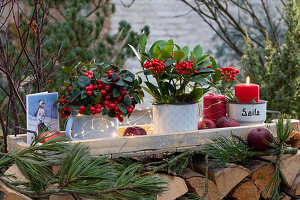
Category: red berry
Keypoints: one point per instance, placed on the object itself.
(89, 93)
(70, 87)
(98, 110)
(131, 106)
(112, 105)
(98, 106)
(107, 97)
(87, 88)
(105, 103)
(80, 111)
(119, 98)
(81, 108)
(95, 87)
(90, 72)
(120, 119)
(86, 74)
(68, 102)
(103, 92)
(129, 110)
(195, 71)
(92, 109)
(109, 73)
(107, 87)
(63, 115)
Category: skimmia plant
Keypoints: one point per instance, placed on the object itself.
(100, 88)
(181, 75)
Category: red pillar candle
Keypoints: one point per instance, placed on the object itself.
(247, 92)
(214, 107)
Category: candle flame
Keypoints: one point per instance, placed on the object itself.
(248, 80)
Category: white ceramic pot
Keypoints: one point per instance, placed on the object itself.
(171, 118)
(81, 127)
(248, 113)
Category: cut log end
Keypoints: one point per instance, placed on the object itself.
(176, 187)
(262, 177)
(197, 185)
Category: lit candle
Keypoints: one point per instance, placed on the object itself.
(247, 92)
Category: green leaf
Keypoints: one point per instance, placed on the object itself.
(69, 70)
(170, 42)
(152, 88)
(84, 81)
(106, 80)
(149, 92)
(98, 99)
(115, 76)
(169, 62)
(128, 78)
(164, 89)
(143, 41)
(199, 80)
(204, 64)
(197, 52)
(96, 93)
(197, 93)
(75, 85)
(116, 92)
(127, 100)
(186, 50)
(98, 63)
(179, 55)
(74, 95)
(136, 97)
(83, 95)
(123, 109)
(166, 52)
(193, 57)
(170, 87)
(111, 113)
(159, 43)
(178, 47)
(213, 63)
(104, 110)
(156, 52)
(140, 80)
(135, 52)
(120, 82)
(204, 71)
(202, 58)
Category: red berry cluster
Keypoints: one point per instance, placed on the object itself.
(185, 67)
(89, 74)
(155, 65)
(108, 101)
(229, 73)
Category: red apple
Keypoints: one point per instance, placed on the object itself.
(134, 130)
(206, 124)
(255, 138)
(227, 122)
(49, 135)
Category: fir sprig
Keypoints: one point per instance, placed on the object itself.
(80, 173)
(227, 150)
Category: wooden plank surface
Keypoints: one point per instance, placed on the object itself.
(156, 143)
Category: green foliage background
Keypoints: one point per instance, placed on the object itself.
(279, 78)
